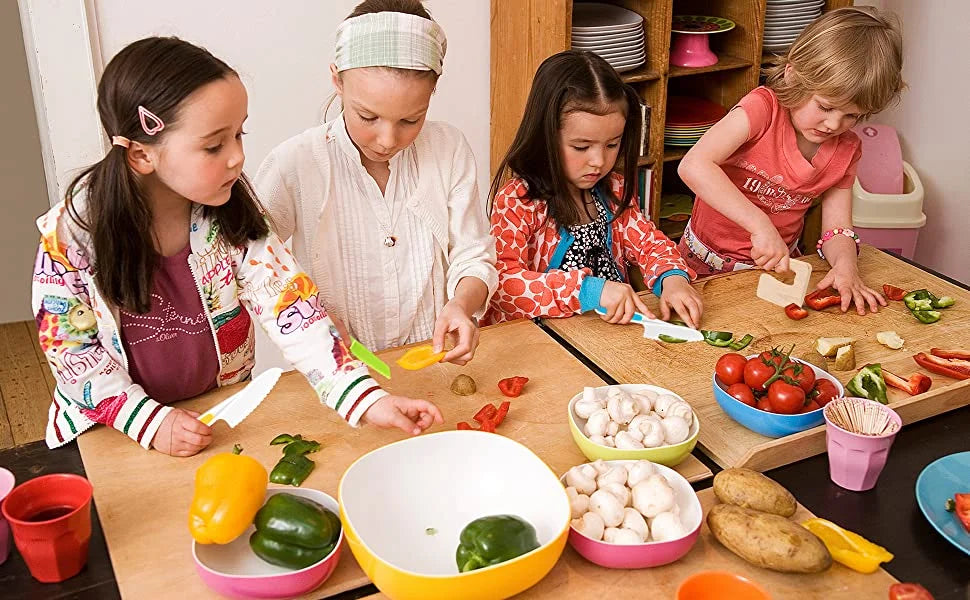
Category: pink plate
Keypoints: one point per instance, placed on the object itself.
(233, 569)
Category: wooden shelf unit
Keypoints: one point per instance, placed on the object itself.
(526, 32)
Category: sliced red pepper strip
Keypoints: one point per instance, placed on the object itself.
(822, 299)
(512, 386)
(485, 413)
(503, 410)
(957, 369)
(963, 509)
(958, 354)
(795, 312)
(916, 384)
(487, 426)
(892, 292)
(463, 426)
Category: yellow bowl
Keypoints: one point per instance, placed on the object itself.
(670, 455)
(404, 505)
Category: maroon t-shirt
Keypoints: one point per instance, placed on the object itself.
(171, 351)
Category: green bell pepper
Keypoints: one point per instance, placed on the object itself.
(492, 540)
(292, 469)
(869, 383)
(742, 343)
(919, 300)
(294, 532)
(720, 339)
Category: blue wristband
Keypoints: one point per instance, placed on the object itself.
(658, 285)
(590, 292)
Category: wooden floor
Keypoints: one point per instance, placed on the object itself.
(26, 385)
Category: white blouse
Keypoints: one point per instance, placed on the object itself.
(319, 193)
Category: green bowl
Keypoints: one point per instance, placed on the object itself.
(670, 455)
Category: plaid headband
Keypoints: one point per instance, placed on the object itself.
(390, 39)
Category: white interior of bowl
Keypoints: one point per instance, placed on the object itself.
(237, 559)
(691, 512)
(409, 501)
(819, 374)
(631, 388)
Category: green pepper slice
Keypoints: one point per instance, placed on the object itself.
(720, 339)
(742, 343)
(669, 339)
(301, 447)
(927, 316)
(291, 470)
(285, 438)
(869, 383)
(944, 302)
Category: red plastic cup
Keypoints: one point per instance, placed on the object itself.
(51, 521)
(7, 482)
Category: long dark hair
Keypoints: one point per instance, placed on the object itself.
(157, 73)
(568, 82)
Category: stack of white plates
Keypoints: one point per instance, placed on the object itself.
(614, 33)
(785, 20)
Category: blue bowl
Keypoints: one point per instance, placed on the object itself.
(771, 424)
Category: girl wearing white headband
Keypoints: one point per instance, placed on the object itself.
(382, 205)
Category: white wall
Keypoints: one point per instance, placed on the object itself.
(934, 126)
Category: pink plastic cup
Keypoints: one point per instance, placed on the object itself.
(855, 461)
(7, 482)
(51, 521)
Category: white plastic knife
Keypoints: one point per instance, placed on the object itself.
(654, 328)
(237, 407)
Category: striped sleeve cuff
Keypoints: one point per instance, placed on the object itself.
(353, 393)
(139, 419)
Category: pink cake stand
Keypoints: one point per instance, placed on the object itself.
(690, 46)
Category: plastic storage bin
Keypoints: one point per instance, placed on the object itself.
(890, 221)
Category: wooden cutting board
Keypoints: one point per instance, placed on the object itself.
(143, 497)
(730, 305)
(574, 577)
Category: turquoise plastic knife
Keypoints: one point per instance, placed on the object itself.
(369, 358)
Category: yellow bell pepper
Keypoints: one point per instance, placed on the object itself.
(420, 357)
(847, 547)
(229, 489)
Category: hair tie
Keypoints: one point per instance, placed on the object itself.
(390, 39)
(120, 140)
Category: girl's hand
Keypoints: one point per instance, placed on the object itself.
(182, 434)
(769, 251)
(454, 321)
(847, 282)
(620, 302)
(678, 294)
(407, 414)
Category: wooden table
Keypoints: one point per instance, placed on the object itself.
(730, 305)
(143, 497)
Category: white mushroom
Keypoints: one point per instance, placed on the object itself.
(591, 525)
(608, 441)
(653, 496)
(601, 466)
(585, 408)
(615, 535)
(589, 394)
(632, 519)
(681, 409)
(607, 506)
(622, 409)
(639, 471)
(663, 402)
(597, 422)
(666, 526)
(614, 391)
(582, 478)
(676, 429)
(644, 400)
(619, 490)
(653, 433)
(612, 428)
(625, 440)
(598, 439)
(635, 432)
(578, 503)
(614, 474)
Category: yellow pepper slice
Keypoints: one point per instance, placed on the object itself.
(848, 548)
(420, 357)
(229, 489)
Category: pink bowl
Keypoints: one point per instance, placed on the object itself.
(233, 569)
(648, 554)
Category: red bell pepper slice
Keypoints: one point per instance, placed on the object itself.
(463, 426)
(916, 384)
(503, 410)
(892, 292)
(512, 386)
(958, 354)
(487, 426)
(485, 413)
(822, 299)
(951, 367)
(963, 509)
(795, 312)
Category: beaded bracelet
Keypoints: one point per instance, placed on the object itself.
(831, 233)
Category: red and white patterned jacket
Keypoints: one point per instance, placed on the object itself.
(527, 239)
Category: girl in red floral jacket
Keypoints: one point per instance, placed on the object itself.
(566, 227)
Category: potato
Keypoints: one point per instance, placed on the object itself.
(750, 489)
(463, 385)
(828, 346)
(816, 359)
(768, 541)
(845, 358)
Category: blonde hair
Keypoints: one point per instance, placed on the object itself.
(849, 55)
